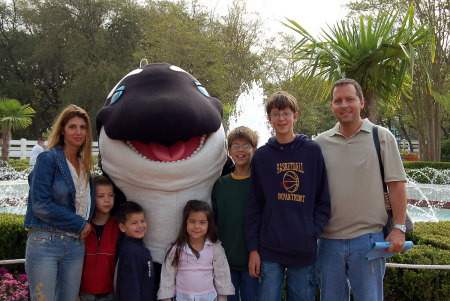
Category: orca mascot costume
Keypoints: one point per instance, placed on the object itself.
(162, 143)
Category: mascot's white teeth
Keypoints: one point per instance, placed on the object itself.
(177, 152)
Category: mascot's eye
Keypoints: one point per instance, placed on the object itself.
(201, 88)
(117, 94)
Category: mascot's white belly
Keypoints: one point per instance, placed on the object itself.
(163, 188)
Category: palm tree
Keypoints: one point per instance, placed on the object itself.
(377, 55)
(13, 116)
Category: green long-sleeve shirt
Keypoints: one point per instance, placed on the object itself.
(228, 203)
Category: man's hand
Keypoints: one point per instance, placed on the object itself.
(397, 239)
(87, 229)
(254, 264)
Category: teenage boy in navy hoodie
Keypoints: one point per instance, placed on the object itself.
(287, 207)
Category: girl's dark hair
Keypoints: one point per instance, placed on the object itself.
(183, 237)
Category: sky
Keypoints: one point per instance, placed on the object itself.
(310, 14)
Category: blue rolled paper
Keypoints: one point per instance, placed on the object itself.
(379, 249)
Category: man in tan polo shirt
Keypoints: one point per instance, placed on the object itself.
(358, 211)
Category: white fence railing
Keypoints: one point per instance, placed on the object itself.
(21, 149)
(404, 145)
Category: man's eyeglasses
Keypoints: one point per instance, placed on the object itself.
(244, 146)
(284, 115)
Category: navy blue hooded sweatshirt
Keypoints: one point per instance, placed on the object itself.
(288, 203)
(135, 274)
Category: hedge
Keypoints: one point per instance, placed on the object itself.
(19, 164)
(423, 164)
(431, 247)
(13, 239)
(429, 175)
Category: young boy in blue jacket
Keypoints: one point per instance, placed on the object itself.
(287, 207)
(135, 275)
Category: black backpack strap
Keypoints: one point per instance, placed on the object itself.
(376, 140)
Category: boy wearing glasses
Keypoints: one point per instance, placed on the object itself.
(228, 203)
(287, 207)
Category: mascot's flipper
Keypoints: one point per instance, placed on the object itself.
(162, 144)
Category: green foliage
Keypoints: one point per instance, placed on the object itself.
(427, 105)
(371, 52)
(423, 164)
(432, 247)
(421, 284)
(84, 47)
(429, 176)
(13, 116)
(433, 234)
(19, 164)
(445, 151)
(215, 51)
(13, 239)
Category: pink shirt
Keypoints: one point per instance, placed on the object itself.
(195, 276)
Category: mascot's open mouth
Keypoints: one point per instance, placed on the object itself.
(176, 152)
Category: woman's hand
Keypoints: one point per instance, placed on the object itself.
(85, 231)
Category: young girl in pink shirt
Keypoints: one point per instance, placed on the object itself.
(195, 264)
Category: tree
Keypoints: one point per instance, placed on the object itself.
(215, 50)
(373, 52)
(426, 105)
(56, 52)
(13, 116)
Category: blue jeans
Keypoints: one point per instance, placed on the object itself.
(54, 263)
(341, 267)
(245, 286)
(300, 282)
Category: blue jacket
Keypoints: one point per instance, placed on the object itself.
(135, 273)
(51, 199)
(288, 203)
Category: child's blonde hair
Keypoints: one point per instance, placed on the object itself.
(244, 133)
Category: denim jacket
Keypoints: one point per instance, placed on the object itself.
(51, 199)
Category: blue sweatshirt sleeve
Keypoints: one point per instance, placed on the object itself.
(322, 205)
(254, 209)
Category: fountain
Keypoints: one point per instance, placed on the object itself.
(250, 111)
(425, 201)
(13, 190)
(429, 202)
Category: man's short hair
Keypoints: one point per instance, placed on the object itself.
(281, 100)
(126, 209)
(102, 180)
(347, 81)
(244, 133)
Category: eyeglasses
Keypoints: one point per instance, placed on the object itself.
(284, 115)
(243, 146)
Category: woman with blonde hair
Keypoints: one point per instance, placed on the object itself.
(60, 202)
